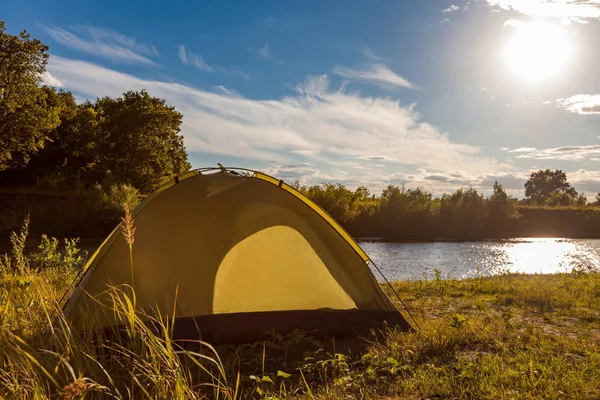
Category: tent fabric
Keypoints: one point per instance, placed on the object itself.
(236, 248)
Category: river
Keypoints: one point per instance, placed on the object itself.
(468, 259)
(463, 259)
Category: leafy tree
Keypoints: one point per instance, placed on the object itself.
(500, 206)
(463, 213)
(581, 200)
(405, 212)
(27, 114)
(541, 184)
(140, 142)
(361, 194)
(336, 199)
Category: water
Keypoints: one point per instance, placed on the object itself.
(463, 259)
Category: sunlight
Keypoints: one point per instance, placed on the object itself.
(543, 255)
(538, 50)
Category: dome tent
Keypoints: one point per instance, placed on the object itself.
(245, 254)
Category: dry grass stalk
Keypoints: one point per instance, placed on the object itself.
(128, 229)
(127, 226)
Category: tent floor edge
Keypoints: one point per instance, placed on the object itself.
(253, 326)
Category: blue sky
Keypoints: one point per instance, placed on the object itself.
(436, 94)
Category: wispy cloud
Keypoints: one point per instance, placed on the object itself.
(265, 52)
(48, 79)
(303, 172)
(376, 158)
(566, 153)
(192, 59)
(582, 103)
(377, 73)
(187, 57)
(370, 54)
(566, 10)
(515, 23)
(280, 129)
(452, 8)
(105, 43)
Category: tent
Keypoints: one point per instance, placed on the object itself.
(245, 253)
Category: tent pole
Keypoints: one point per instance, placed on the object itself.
(395, 292)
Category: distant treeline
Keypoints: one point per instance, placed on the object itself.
(398, 213)
(414, 214)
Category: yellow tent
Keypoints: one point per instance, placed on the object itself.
(245, 254)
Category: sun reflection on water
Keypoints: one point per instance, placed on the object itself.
(544, 255)
(469, 259)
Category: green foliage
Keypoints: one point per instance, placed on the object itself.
(463, 212)
(131, 140)
(336, 199)
(500, 206)
(48, 255)
(109, 201)
(27, 112)
(551, 188)
(46, 136)
(141, 145)
(402, 208)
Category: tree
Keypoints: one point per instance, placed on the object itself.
(140, 142)
(463, 213)
(500, 206)
(542, 184)
(27, 114)
(336, 199)
(361, 194)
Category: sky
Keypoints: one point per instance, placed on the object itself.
(430, 94)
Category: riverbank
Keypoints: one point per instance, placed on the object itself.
(507, 336)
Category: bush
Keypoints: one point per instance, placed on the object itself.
(109, 202)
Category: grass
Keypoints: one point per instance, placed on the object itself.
(503, 337)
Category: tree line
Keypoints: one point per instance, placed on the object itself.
(415, 214)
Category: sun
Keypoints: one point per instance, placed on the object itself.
(538, 50)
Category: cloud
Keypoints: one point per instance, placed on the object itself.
(187, 57)
(303, 172)
(334, 124)
(370, 54)
(566, 10)
(452, 8)
(581, 104)
(585, 181)
(48, 79)
(105, 43)
(509, 180)
(378, 73)
(445, 20)
(566, 153)
(515, 23)
(265, 52)
(377, 158)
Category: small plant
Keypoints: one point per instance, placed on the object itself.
(17, 261)
(458, 321)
